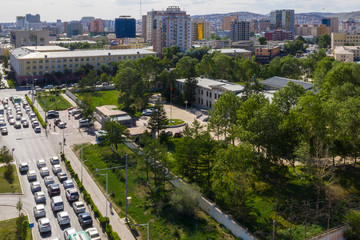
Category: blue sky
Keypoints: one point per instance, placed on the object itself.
(50, 10)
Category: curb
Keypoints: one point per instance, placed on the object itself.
(176, 126)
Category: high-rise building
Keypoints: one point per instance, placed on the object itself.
(32, 18)
(225, 22)
(239, 30)
(96, 25)
(332, 23)
(30, 38)
(125, 27)
(147, 25)
(85, 21)
(200, 29)
(20, 22)
(172, 27)
(74, 28)
(32, 22)
(283, 19)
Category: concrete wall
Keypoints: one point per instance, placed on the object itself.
(221, 217)
(335, 234)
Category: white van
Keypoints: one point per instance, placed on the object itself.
(57, 203)
(85, 123)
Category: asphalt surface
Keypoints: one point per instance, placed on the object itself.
(29, 147)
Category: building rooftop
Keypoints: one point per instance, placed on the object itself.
(212, 83)
(110, 111)
(46, 48)
(24, 53)
(280, 82)
(230, 50)
(346, 49)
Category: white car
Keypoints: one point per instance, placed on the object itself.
(93, 234)
(63, 218)
(69, 231)
(56, 168)
(31, 175)
(39, 197)
(68, 184)
(41, 163)
(54, 160)
(79, 207)
(44, 171)
(49, 180)
(44, 225)
(39, 211)
(23, 167)
(35, 186)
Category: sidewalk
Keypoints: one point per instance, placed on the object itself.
(69, 100)
(98, 197)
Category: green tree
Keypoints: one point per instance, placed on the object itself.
(290, 67)
(223, 115)
(223, 66)
(321, 70)
(186, 67)
(158, 119)
(262, 41)
(286, 99)
(87, 107)
(324, 41)
(185, 199)
(5, 155)
(352, 218)
(189, 90)
(205, 66)
(116, 133)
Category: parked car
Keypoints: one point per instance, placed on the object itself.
(4, 131)
(54, 160)
(52, 114)
(37, 129)
(39, 197)
(25, 124)
(31, 175)
(35, 186)
(41, 163)
(39, 211)
(85, 123)
(35, 124)
(78, 116)
(54, 189)
(23, 167)
(62, 176)
(68, 184)
(44, 225)
(178, 135)
(57, 203)
(72, 194)
(74, 111)
(85, 219)
(44, 172)
(93, 234)
(68, 232)
(63, 218)
(49, 180)
(17, 125)
(146, 112)
(79, 207)
(18, 117)
(56, 168)
(11, 121)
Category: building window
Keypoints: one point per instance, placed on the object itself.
(207, 94)
(210, 94)
(202, 92)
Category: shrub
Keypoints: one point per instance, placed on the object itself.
(35, 111)
(9, 173)
(103, 221)
(185, 199)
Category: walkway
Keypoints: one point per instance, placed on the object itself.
(98, 197)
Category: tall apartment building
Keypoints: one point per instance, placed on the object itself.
(85, 21)
(200, 29)
(332, 23)
(147, 25)
(172, 27)
(30, 38)
(283, 19)
(32, 22)
(225, 22)
(96, 25)
(239, 30)
(20, 22)
(260, 25)
(342, 39)
(125, 27)
(74, 28)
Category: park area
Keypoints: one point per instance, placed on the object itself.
(52, 101)
(11, 185)
(164, 221)
(101, 97)
(8, 230)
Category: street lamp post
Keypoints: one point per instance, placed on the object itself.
(126, 198)
(63, 140)
(147, 227)
(186, 102)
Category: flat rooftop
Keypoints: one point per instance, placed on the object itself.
(212, 83)
(110, 111)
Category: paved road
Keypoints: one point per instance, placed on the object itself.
(29, 147)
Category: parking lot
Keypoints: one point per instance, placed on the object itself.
(27, 146)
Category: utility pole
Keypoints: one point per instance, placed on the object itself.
(126, 188)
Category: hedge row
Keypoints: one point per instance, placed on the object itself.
(35, 111)
(104, 221)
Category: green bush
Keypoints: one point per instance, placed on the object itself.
(103, 221)
(35, 111)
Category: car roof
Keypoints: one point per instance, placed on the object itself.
(40, 193)
(44, 220)
(63, 213)
(40, 206)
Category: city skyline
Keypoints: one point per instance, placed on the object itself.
(67, 10)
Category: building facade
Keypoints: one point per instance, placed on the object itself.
(265, 54)
(30, 38)
(37, 61)
(239, 30)
(147, 25)
(96, 25)
(200, 30)
(225, 22)
(283, 19)
(125, 27)
(347, 53)
(342, 39)
(74, 28)
(172, 27)
(279, 35)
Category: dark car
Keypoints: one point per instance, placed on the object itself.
(52, 114)
(54, 189)
(85, 219)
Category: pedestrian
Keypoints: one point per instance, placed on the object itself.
(54, 127)
(110, 206)
(69, 116)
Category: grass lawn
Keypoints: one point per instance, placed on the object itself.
(5, 186)
(8, 230)
(102, 97)
(165, 223)
(53, 102)
(175, 122)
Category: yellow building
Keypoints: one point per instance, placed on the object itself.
(37, 61)
(343, 39)
(347, 53)
(323, 29)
